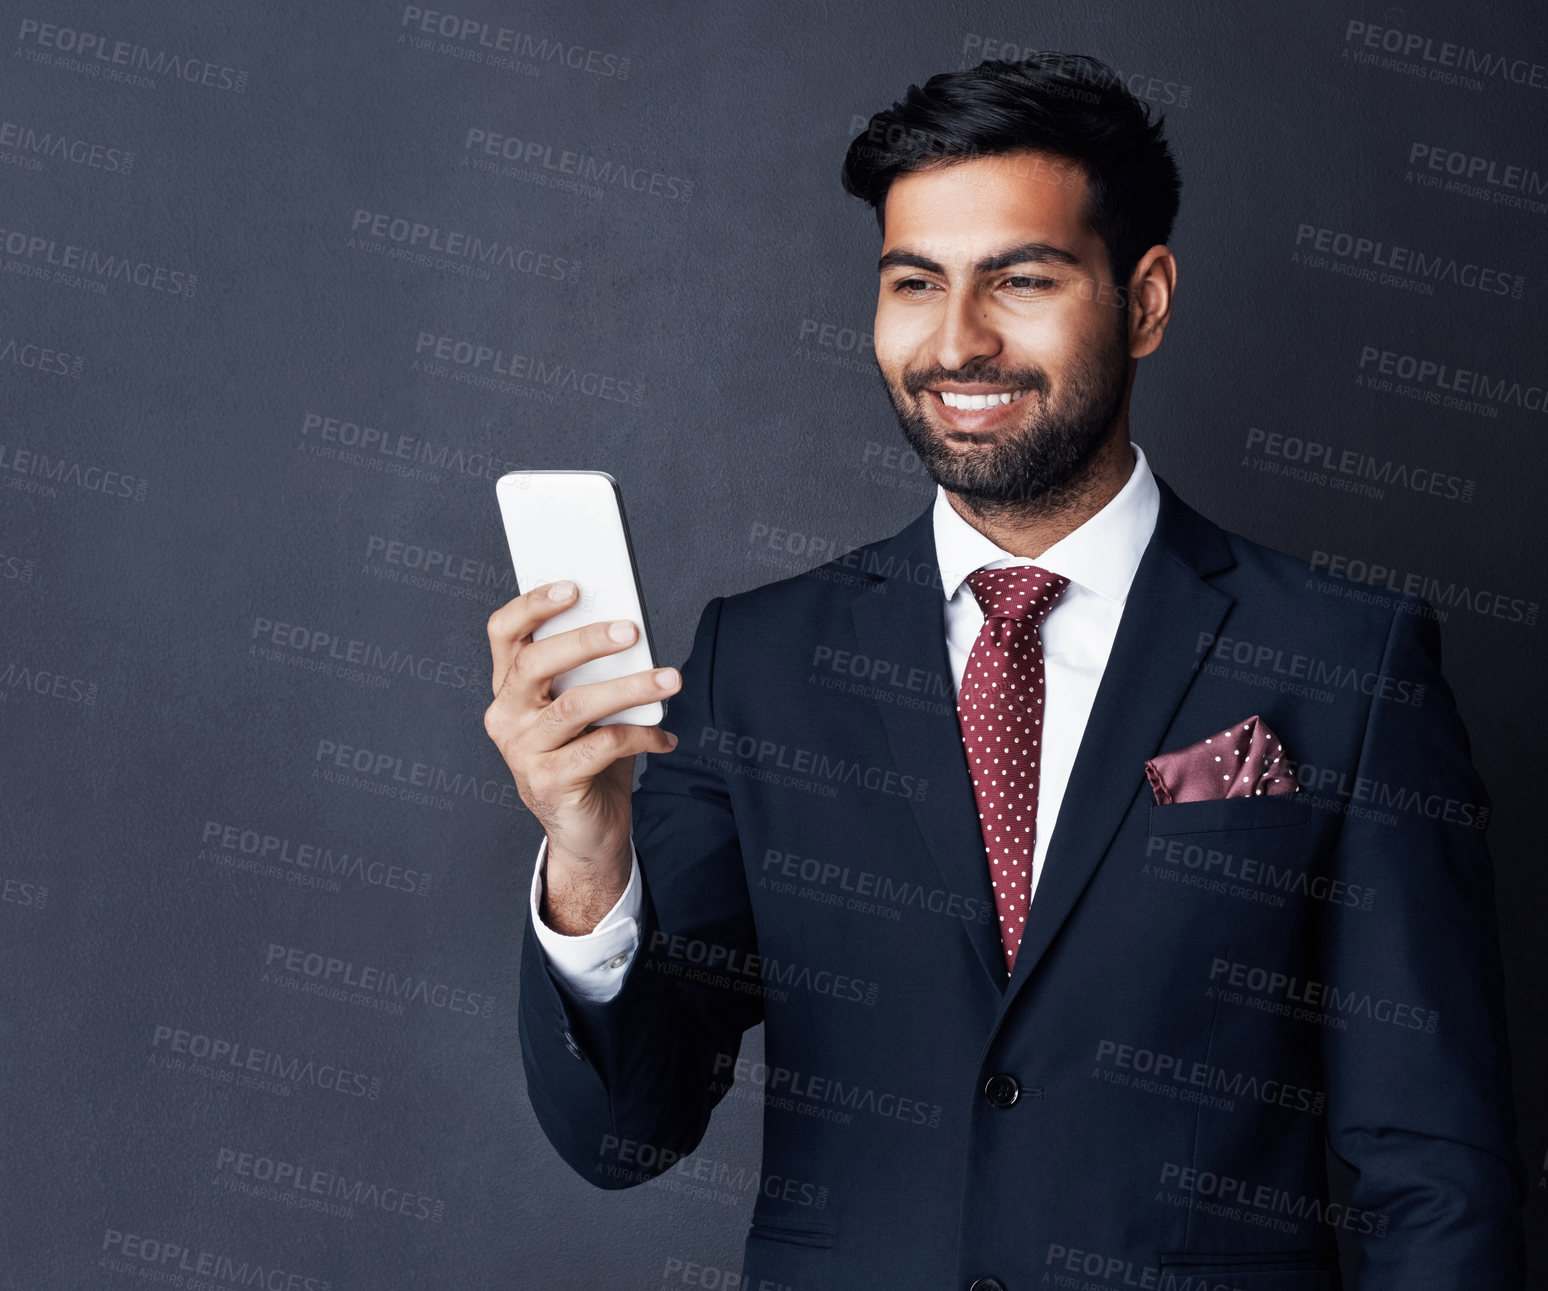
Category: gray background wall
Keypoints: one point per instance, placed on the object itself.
(247, 523)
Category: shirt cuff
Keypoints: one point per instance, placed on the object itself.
(592, 964)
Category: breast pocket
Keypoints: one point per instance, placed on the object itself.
(1265, 811)
(783, 1251)
(1291, 1271)
(786, 1228)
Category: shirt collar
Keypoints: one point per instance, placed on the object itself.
(1101, 555)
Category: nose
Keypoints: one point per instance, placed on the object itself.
(965, 333)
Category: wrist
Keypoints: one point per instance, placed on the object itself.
(577, 895)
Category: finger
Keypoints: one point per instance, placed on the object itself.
(514, 621)
(566, 717)
(590, 755)
(537, 663)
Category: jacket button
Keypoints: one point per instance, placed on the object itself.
(987, 1284)
(1001, 1091)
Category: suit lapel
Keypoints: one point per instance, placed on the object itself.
(899, 618)
(1154, 660)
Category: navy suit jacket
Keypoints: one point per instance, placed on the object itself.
(1208, 995)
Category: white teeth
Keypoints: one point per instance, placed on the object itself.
(974, 401)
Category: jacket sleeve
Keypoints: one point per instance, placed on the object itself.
(1419, 1089)
(624, 1087)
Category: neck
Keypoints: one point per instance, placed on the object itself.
(1030, 529)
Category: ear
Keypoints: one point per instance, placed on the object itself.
(1151, 286)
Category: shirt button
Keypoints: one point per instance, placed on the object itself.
(1002, 1090)
(618, 961)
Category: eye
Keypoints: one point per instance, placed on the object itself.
(910, 286)
(1024, 282)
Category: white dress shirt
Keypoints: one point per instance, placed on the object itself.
(1099, 558)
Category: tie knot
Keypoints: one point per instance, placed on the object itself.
(1017, 592)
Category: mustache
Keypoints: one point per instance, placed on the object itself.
(1023, 379)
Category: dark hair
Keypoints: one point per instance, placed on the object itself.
(1070, 105)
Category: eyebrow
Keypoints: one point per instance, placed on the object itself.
(1025, 253)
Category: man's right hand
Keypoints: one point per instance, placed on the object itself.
(577, 780)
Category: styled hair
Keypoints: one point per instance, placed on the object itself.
(1068, 105)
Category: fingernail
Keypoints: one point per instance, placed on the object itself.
(673, 740)
(666, 678)
(561, 590)
(621, 630)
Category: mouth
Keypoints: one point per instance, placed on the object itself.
(977, 402)
(974, 408)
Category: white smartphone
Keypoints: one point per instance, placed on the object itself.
(570, 524)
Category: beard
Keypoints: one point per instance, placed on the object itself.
(1035, 466)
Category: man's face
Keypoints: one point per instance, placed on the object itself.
(993, 285)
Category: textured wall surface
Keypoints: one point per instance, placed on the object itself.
(284, 288)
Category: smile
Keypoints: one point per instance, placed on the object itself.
(974, 402)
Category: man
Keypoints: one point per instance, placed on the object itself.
(1076, 945)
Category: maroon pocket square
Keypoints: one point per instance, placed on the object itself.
(1242, 761)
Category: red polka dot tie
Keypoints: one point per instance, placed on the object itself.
(1000, 709)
